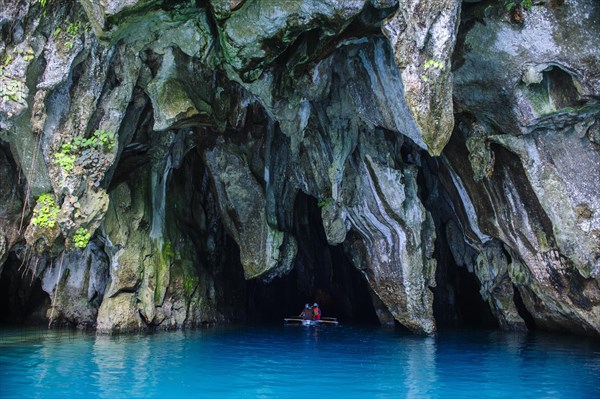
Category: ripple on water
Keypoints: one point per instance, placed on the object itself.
(296, 362)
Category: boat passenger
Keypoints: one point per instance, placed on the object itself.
(307, 313)
(316, 312)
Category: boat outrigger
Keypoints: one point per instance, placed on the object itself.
(299, 320)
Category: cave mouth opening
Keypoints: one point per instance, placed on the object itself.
(457, 300)
(22, 300)
(321, 273)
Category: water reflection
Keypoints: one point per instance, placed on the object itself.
(136, 360)
(300, 362)
(110, 359)
(420, 367)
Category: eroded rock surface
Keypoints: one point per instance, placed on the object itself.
(530, 112)
(179, 136)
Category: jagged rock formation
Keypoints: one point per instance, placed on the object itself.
(529, 159)
(180, 135)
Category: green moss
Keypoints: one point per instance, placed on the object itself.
(46, 211)
(166, 251)
(184, 273)
(101, 140)
(162, 268)
(189, 284)
(539, 98)
(325, 202)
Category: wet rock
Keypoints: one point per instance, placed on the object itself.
(76, 282)
(119, 314)
(10, 197)
(224, 112)
(249, 46)
(242, 203)
(423, 34)
(536, 101)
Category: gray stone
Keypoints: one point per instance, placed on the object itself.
(224, 112)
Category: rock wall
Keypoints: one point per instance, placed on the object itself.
(141, 141)
(528, 121)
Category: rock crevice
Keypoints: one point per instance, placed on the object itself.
(166, 147)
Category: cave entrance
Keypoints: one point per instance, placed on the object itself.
(457, 301)
(556, 91)
(22, 300)
(322, 273)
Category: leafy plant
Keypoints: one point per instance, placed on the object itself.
(73, 28)
(81, 237)
(431, 64)
(11, 89)
(101, 139)
(28, 56)
(512, 4)
(434, 64)
(105, 138)
(7, 59)
(65, 157)
(45, 214)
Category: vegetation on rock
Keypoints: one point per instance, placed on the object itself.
(81, 237)
(44, 215)
(65, 158)
(432, 64)
(101, 139)
(325, 202)
(512, 4)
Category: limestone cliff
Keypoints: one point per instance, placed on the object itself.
(157, 157)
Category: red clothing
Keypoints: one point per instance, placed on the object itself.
(316, 313)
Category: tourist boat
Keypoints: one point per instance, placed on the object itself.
(298, 320)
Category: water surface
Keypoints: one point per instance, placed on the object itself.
(297, 362)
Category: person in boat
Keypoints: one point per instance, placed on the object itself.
(307, 313)
(316, 312)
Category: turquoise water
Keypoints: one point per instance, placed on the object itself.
(297, 362)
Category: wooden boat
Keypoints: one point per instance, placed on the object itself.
(298, 320)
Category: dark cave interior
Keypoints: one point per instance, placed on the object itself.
(321, 273)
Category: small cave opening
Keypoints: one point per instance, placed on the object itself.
(22, 300)
(556, 91)
(321, 273)
(457, 300)
(522, 309)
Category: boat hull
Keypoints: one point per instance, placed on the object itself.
(294, 320)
